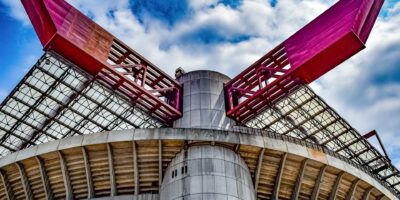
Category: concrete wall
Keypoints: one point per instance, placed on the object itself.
(203, 101)
(248, 137)
(213, 172)
(131, 197)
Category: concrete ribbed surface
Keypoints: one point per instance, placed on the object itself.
(133, 162)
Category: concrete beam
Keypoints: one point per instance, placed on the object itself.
(7, 186)
(135, 168)
(236, 148)
(25, 182)
(367, 193)
(382, 197)
(336, 186)
(317, 185)
(353, 188)
(88, 173)
(160, 170)
(258, 169)
(45, 180)
(67, 182)
(300, 176)
(275, 192)
(113, 186)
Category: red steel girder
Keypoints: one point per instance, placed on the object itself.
(63, 29)
(333, 37)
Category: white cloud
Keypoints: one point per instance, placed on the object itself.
(352, 88)
(348, 88)
(267, 27)
(16, 10)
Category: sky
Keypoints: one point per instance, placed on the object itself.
(227, 36)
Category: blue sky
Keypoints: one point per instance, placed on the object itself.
(227, 36)
(17, 42)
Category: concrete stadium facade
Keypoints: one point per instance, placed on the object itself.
(125, 164)
(204, 156)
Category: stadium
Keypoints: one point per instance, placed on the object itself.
(93, 119)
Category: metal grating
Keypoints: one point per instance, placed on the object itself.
(304, 115)
(65, 30)
(330, 39)
(57, 100)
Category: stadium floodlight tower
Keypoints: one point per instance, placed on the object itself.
(93, 119)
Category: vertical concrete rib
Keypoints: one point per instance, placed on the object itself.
(24, 181)
(275, 192)
(381, 197)
(67, 183)
(258, 169)
(367, 193)
(236, 148)
(45, 180)
(113, 187)
(317, 185)
(160, 175)
(88, 173)
(7, 186)
(135, 168)
(353, 188)
(297, 186)
(336, 186)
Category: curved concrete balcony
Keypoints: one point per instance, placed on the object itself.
(132, 164)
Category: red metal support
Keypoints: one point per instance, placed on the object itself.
(331, 38)
(374, 133)
(63, 29)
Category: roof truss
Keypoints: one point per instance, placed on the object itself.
(303, 114)
(57, 100)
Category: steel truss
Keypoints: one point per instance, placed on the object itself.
(304, 115)
(331, 38)
(56, 100)
(63, 29)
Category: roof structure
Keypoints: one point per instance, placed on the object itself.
(303, 114)
(88, 81)
(61, 28)
(331, 38)
(56, 99)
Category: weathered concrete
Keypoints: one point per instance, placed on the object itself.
(242, 137)
(131, 197)
(203, 101)
(207, 172)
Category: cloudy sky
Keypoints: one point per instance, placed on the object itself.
(227, 36)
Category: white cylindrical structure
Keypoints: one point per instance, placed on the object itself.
(203, 101)
(207, 172)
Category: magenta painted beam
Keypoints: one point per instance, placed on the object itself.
(63, 29)
(333, 37)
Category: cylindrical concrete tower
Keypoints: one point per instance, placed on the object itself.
(95, 120)
(203, 101)
(207, 172)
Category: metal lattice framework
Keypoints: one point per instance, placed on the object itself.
(65, 30)
(89, 81)
(331, 38)
(56, 100)
(304, 115)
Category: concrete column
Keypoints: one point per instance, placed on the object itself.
(207, 172)
(203, 101)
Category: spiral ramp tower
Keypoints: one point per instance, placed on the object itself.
(111, 125)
